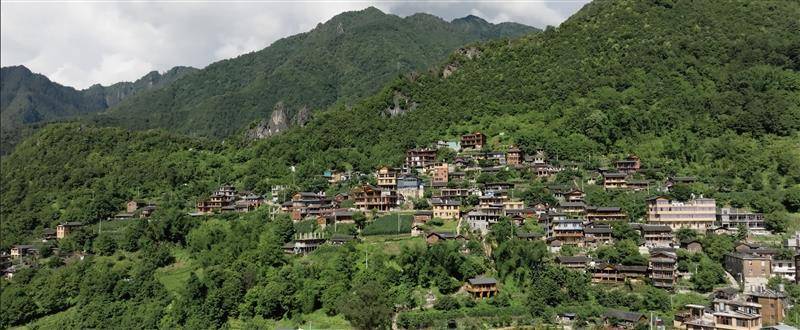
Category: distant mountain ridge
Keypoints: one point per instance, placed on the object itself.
(28, 98)
(340, 61)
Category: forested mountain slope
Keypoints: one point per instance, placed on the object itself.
(705, 87)
(28, 99)
(350, 56)
(695, 88)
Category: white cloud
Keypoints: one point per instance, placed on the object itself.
(80, 44)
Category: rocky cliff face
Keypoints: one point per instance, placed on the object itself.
(278, 122)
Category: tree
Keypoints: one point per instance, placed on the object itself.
(709, 274)
(368, 306)
(446, 303)
(681, 192)
(715, 246)
(360, 219)
(685, 234)
(777, 222)
(741, 232)
(791, 199)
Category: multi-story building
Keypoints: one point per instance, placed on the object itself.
(605, 214)
(664, 269)
(784, 268)
(730, 218)
(446, 208)
(567, 231)
(482, 287)
(220, 200)
(420, 158)
(386, 178)
(750, 270)
(514, 156)
(439, 175)
(614, 180)
(656, 236)
(698, 214)
(368, 197)
(629, 165)
(772, 305)
(473, 141)
(64, 229)
(577, 263)
(575, 209)
(597, 235)
(724, 315)
(410, 187)
(308, 204)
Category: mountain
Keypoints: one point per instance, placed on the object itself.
(338, 62)
(28, 99)
(693, 88)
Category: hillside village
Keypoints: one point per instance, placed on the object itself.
(467, 192)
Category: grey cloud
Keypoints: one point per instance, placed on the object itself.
(79, 44)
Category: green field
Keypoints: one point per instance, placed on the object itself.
(388, 224)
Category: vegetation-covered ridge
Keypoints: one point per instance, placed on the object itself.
(27, 100)
(340, 61)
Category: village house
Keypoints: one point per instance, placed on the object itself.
(724, 314)
(692, 245)
(304, 243)
(514, 156)
(439, 175)
(574, 195)
(664, 269)
(410, 187)
(386, 178)
(784, 269)
(64, 229)
(751, 271)
(453, 193)
(248, 203)
(334, 176)
(576, 263)
(446, 208)
(629, 165)
(528, 236)
(605, 214)
(309, 205)
(436, 237)
(18, 251)
(339, 216)
(575, 209)
(473, 141)
(655, 235)
(48, 234)
(481, 218)
(422, 216)
(597, 235)
(219, 201)
(772, 305)
(420, 158)
(482, 287)
(637, 185)
(339, 239)
(568, 231)
(614, 181)
(368, 197)
(730, 219)
(624, 319)
(614, 273)
(756, 249)
(698, 214)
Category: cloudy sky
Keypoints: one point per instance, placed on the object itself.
(79, 43)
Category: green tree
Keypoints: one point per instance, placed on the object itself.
(368, 306)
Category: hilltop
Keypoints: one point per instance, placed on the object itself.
(340, 61)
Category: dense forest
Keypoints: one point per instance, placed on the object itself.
(699, 88)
